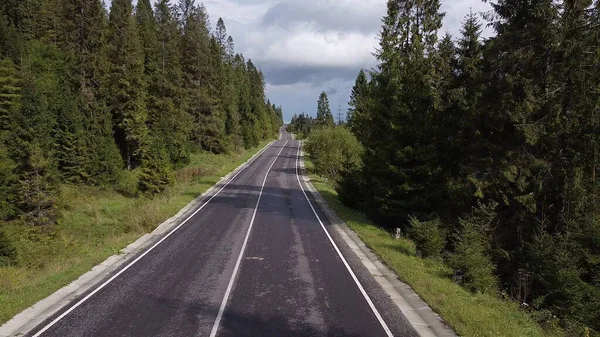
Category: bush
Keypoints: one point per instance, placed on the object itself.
(428, 236)
(127, 183)
(470, 260)
(351, 188)
(7, 251)
(156, 173)
(333, 151)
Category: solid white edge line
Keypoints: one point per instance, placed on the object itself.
(358, 284)
(49, 325)
(217, 322)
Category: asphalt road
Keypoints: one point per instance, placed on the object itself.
(254, 261)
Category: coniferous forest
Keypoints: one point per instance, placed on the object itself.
(486, 152)
(87, 92)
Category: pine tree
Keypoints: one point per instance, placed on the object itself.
(126, 87)
(204, 84)
(30, 147)
(157, 172)
(8, 182)
(10, 39)
(324, 116)
(405, 119)
(358, 118)
(38, 187)
(86, 50)
(258, 119)
(464, 155)
(146, 24)
(10, 88)
(221, 33)
(247, 119)
(168, 120)
(229, 96)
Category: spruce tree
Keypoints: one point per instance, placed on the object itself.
(146, 25)
(125, 91)
(156, 173)
(167, 118)
(10, 88)
(8, 182)
(258, 118)
(247, 119)
(324, 116)
(406, 117)
(204, 84)
(30, 147)
(38, 187)
(10, 93)
(358, 118)
(86, 49)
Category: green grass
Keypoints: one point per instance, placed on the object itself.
(96, 223)
(467, 313)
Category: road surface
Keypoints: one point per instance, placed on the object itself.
(254, 261)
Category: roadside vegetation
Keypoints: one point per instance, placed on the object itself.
(111, 120)
(484, 152)
(95, 223)
(468, 313)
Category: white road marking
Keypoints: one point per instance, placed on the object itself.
(358, 284)
(217, 322)
(39, 333)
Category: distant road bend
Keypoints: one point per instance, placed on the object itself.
(258, 259)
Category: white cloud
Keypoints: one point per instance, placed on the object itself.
(308, 47)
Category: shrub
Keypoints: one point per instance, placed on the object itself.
(7, 251)
(156, 173)
(470, 260)
(351, 188)
(428, 236)
(333, 151)
(127, 183)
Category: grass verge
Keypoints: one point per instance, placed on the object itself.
(96, 223)
(467, 313)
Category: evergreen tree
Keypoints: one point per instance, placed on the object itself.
(358, 118)
(10, 90)
(157, 172)
(146, 24)
(247, 119)
(86, 49)
(30, 147)
(406, 117)
(168, 120)
(324, 116)
(258, 120)
(464, 155)
(38, 188)
(126, 88)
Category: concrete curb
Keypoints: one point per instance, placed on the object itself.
(423, 319)
(33, 316)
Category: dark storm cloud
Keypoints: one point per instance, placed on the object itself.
(316, 75)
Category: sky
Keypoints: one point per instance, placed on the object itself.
(304, 47)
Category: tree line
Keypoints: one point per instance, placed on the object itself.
(86, 93)
(302, 124)
(486, 151)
